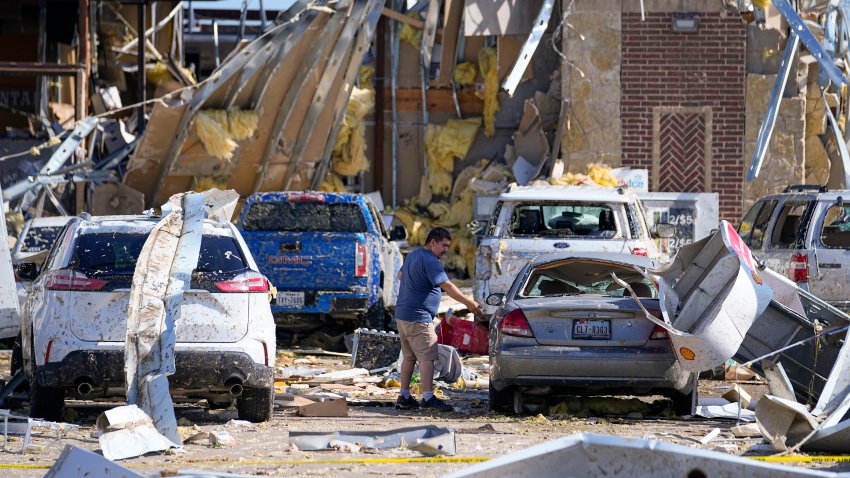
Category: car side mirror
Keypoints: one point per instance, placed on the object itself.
(27, 271)
(664, 230)
(398, 233)
(496, 299)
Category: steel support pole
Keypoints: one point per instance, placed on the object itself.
(140, 64)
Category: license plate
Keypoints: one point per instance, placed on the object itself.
(591, 329)
(290, 299)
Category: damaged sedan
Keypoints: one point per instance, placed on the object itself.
(567, 327)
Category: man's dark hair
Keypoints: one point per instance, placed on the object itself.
(438, 234)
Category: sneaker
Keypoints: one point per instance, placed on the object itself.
(406, 403)
(437, 404)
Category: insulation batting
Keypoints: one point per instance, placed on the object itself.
(487, 63)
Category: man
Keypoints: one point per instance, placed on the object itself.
(421, 279)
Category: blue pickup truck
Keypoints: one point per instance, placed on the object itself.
(329, 255)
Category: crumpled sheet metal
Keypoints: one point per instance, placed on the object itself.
(709, 294)
(163, 271)
(585, 454)
(429, 440)
(297, 77)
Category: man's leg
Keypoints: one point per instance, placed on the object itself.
(406, 372)
(405, 400)
(426, 376)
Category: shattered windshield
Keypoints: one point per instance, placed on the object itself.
(304, 217)
(40, 238)
(565, 219)
(116, 254)
(582, 277)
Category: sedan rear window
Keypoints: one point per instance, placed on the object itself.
(116, 254)
(565, 219)
(578, 277)
(304, 217)
(40, 238)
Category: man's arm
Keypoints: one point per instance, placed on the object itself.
(457, 295)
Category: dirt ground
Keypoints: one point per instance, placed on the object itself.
(263, 449)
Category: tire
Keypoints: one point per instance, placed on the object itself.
(376, 316)
(685, 403)
(502, 401)
(256, 404)
(17, 356)
(46, 403)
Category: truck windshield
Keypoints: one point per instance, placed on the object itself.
(564, 219)
(304, 217)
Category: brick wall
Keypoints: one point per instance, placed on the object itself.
(664, 71)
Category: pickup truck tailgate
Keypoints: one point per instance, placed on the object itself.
(305, 260)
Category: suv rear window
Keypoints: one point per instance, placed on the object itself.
(40, 238)
(304, 217)
(564, 219)
(116, 254)
(836, 227)
(788, 232)
(753, 228)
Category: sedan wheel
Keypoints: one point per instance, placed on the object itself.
(502, 401)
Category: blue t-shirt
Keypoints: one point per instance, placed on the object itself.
(419, 292)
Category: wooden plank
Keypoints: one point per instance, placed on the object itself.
(439, 100)
(453, 15)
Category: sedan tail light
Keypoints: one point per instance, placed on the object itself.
(247, 282)
(640, 251)
(67, 279)
(361, 260)
(515, 323)
(659, 332)
(800, 267)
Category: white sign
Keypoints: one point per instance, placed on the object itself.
(634, 179)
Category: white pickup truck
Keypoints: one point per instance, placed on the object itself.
(534, 220)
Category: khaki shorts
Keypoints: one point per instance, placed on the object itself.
(418, 339)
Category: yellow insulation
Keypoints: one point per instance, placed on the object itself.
(410, 35)
(241, 123)
(206, 183)
(465, 73)
(763, 4)
(597, 174)
(349, 153)
(215, 138)
(332, 184)
(443, 145)
(487, 63)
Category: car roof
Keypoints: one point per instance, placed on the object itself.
(567, 193)
(138, 224)
(831, 195)
(50, 221)
(627, 259)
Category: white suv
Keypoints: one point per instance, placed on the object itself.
(536, 220)
(74, 323)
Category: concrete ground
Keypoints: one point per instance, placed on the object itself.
(263, 449)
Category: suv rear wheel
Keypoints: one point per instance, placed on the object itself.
(46, 403)
(256, 404)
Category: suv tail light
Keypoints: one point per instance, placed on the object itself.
(67, 279)
(659, 333)
(640, 251)
(247, 282)
(361, 260)
(800, 267)
(515, 323)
